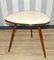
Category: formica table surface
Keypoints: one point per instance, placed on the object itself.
(28, 17)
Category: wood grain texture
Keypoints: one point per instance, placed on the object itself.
(24, 47)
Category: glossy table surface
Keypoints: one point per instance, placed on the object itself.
(28, 17)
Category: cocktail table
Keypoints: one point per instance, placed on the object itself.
(31, 18)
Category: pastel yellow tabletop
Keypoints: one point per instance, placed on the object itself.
(28, 17)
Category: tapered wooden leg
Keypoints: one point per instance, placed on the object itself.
(31, 33)
(12, 37)
(42, 42)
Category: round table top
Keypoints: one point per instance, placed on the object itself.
(28, 17)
